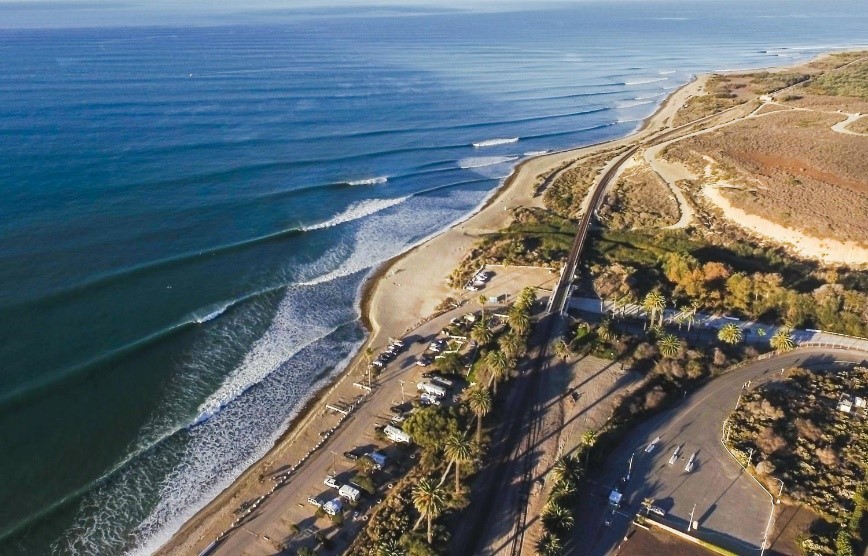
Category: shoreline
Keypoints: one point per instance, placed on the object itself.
(203, 524)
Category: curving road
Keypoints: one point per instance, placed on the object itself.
(733, 511)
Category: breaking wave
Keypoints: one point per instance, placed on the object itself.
(493, 142)
(369, 181)
(645, 80)
(357, 210)
(482, 161)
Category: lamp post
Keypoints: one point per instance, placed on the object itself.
(690, 523)
(402, 390)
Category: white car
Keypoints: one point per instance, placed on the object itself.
(690, 463)
(653, 445)
(657, 510)
(674, 457)
(315, 502)
(331, 482)
(429, 399)
(473, 288)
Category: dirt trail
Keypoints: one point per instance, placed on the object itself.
(841, 127)
(829, 251)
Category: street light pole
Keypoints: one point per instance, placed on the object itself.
(690, 523)
(402, 390)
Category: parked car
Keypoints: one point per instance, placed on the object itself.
(351, 455)
(331, 482)
(398, 418)
(691, 463)
(653, 445)
(657, 510)
(429, 399)
(473, 288)
(424, 361)
(674, 457)
(316, 502)
(442, 381)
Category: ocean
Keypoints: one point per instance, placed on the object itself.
(188, 215)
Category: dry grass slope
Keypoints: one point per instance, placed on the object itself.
(639, 200)
(794, 170)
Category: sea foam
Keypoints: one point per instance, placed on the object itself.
(370, 181)
(494, 142)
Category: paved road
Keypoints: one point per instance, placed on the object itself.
(731, 508)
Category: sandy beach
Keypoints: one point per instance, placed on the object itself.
(398, 296)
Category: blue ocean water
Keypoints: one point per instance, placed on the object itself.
(188, 215)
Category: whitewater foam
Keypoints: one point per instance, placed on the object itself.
(631, 104)
(370, 181)
(482, 161)
(536, 153)
(356, 211)
(645, 81)
(493, 142)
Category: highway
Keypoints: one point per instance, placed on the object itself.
(733, 511)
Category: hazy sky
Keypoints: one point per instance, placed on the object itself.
(84, 13)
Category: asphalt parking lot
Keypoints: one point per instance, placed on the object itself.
(731, 509)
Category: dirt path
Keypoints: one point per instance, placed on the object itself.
(829, 251)
(841, 127)
(671, 174)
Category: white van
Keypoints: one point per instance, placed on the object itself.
(396, 435)
(348, 492)
(430, 388)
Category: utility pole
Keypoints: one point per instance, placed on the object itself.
(402, 390)
(690, 523)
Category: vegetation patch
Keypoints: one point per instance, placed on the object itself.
(733, 277)
(534, 237)
(851, 81)
(794, 432)
(567, 192)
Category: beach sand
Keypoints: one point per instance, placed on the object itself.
(398, 296)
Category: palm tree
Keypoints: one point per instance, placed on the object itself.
(653, 303)
(606, 330)
(479, 400)
(582, 330)
(729, 333)
(498, 365)
(567, 468)
(563, 490)
(782, 340)
(482, 301)
(549, 545)
(390, 548)
(459, 449)
(561, 349)
(430, 500)
(526, 298)
(481, 333)
(558, 518)
(512, 345)
(669, 345)
(588, 439)
(519, 321)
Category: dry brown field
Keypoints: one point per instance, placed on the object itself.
(794, 171)
(639, 199)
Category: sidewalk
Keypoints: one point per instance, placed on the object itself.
(754, 332)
